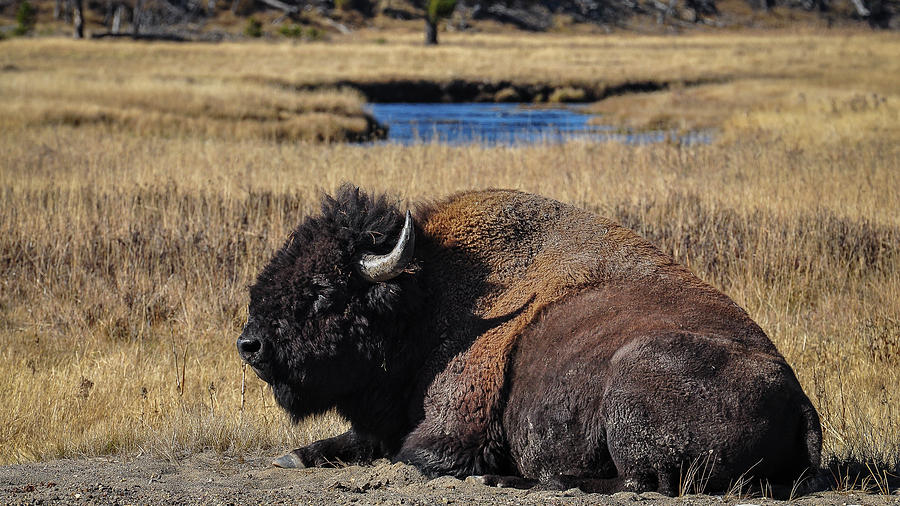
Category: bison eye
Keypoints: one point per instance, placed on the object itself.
(328, 295)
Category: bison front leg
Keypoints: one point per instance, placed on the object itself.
(347, 448)
(500, 481)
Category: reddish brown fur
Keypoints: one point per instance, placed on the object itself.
(531, 254)
(561, 249)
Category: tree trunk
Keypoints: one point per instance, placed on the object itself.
(136, 18)
(78, 19)
(117, 18)
(57, 9)
(430, 32)
(290, 9)
(860, 8)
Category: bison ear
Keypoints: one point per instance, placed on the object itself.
(376, 268)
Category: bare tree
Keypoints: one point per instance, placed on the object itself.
(136, 18)
(78, 19)
(117, 18)
(66, 10)
(860, 8)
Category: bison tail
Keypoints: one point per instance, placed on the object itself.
(811, 434)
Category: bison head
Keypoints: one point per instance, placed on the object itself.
(325, 311)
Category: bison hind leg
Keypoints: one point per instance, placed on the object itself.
(565, 482)
(602, 485)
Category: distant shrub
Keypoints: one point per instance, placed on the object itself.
(567, 95)
(343, 5)
(26, 16)
(314, 33)
(253, 28)
(508, 94)
(292, 31)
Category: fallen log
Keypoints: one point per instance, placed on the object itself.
(290, 9)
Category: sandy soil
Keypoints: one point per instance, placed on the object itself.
(212, 479)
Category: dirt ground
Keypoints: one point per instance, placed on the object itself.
(213, 479)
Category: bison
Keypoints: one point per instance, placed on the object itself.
(523, 341)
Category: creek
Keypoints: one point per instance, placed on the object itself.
(505, 124)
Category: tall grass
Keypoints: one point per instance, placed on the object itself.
(122, 277)
(125, 260)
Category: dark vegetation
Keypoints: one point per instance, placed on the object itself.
(215, 19)
(483, 90)
(25, 18)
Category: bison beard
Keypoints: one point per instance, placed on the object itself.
(511, 336)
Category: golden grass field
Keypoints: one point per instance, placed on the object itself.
(126, 245)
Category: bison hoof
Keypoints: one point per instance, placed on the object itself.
(289, 461)
(478, 480)
(492, 480)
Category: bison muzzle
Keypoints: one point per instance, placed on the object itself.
(525, 341)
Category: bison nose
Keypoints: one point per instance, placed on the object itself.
(249, 349)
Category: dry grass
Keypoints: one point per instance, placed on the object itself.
(777, 84)
(143, 101)
(126, 257)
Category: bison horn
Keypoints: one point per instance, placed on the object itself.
(377, 268)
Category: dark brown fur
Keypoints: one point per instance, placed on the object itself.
(545, 345)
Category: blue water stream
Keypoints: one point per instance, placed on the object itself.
(503, 124)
